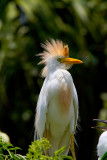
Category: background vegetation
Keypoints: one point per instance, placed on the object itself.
(24, 25)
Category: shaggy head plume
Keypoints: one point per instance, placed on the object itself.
(52, 49)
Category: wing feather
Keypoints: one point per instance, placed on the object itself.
(75, 102)
(41, 111)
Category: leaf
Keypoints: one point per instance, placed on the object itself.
(45, 157)
(17, 148)
(104, 156)
(11, 149)
(1, 157)
(14, 156)
(1, 150)
(67, 157)
(21, 157)
(61, 150)
(7, 144)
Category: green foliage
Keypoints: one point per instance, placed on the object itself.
(8, 151)
(104, 156)
(37, 148)
(35, 152)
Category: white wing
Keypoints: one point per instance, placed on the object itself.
(41, 111)
(75, 103)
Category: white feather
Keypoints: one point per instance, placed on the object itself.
(102, 145)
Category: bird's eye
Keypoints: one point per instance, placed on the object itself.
(61, 60)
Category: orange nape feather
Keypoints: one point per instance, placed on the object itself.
(66, 51)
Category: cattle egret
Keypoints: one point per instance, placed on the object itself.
(57, 107)
(102, 143)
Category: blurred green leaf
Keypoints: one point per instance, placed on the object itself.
(104, 156)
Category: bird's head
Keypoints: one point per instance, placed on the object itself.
(56, 55)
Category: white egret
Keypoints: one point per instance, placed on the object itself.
(102, 142)
(57, 107)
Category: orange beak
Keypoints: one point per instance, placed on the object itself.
(69, 60)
